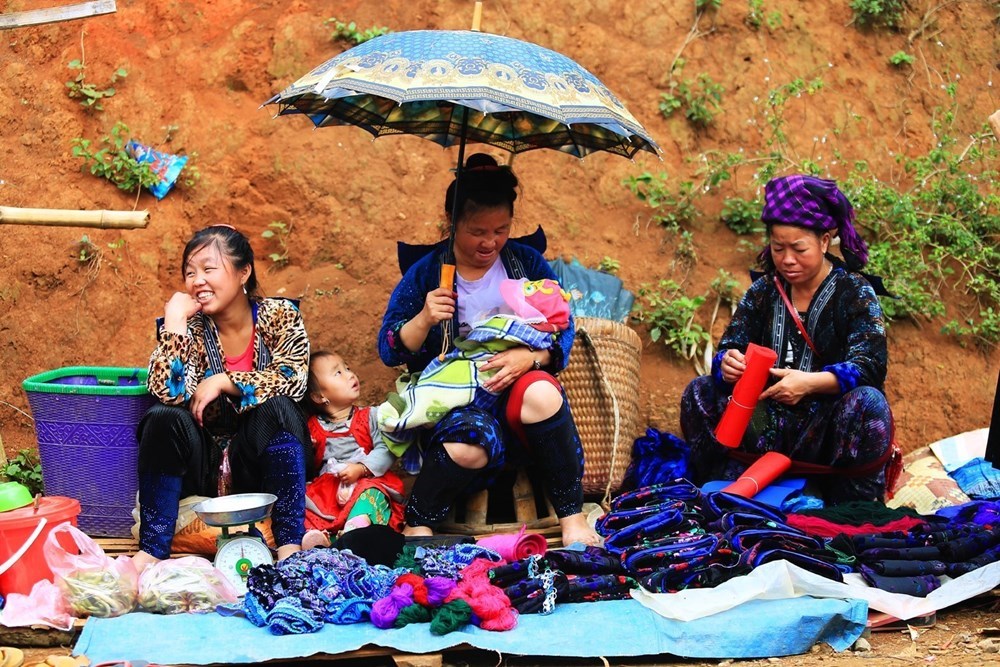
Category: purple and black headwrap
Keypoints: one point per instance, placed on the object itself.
(817, 204)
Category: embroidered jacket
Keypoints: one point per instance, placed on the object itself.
(280, 357)
(407, 300)
(844, 322)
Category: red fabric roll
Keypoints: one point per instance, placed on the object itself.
(768, 468)
(733, 424)
(759, 361)
(746, 393)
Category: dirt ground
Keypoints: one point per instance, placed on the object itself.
(199, 71)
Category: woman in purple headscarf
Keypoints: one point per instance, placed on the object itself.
(825, 405)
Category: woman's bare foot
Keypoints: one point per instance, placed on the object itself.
(576, 529)
(286, 550)
(417, 531)
(315, 538)
(142, 560)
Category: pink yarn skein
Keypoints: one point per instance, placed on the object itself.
(488, 602)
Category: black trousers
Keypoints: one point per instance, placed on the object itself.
(172, 443)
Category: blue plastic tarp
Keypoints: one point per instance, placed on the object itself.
(619, 628)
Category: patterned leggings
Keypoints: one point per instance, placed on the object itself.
(847, 431)
(553, 446)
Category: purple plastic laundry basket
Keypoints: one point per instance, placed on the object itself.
(85, 423)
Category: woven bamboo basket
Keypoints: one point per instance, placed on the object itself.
(602, 387)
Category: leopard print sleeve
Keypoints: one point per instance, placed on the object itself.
(284, 333)
(177, 364)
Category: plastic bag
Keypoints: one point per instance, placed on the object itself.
(94, 583)
(44, 605)
(166, 165)
(188, 584)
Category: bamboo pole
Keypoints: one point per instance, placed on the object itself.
(477, 16)
(55, 14)
(53, 217)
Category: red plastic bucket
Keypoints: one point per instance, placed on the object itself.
(20, 527)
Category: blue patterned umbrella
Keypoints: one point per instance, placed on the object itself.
(454, 86)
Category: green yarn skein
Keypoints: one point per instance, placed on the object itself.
(407, 559)
(450, 617)
(414, 613)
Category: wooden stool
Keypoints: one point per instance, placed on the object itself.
(477, 520)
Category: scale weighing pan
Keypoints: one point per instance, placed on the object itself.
(236, 509)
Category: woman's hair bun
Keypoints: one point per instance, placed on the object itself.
(480, 161)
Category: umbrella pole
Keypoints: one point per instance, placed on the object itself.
(448, 266)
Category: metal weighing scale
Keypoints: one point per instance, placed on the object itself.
(237, 553)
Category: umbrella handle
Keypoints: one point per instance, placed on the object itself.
(448, 276)
(447, 281)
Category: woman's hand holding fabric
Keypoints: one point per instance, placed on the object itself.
(732, 365)
(207, 391)
(509, 366)
(177, 310)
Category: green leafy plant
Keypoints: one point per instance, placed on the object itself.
(704, 5)
(887, 13)
(85, 252)
(670, 209)
(700, 100)
(191, 175)
(685, 252)
(26, 469)
(900, 58)
(90, 95)
(670, 314)
(279, 232)
(112, 162)
(609, 265)
(349, 32)
(755, 13)
(742, 216)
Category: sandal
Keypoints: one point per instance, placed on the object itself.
(66, 661)
(11, 657)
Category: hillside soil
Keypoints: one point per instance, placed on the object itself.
(197, 73)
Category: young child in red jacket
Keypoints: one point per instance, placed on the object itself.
(354, 487)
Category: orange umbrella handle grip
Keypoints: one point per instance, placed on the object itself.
(448, 276)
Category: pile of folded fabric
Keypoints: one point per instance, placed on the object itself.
(673, 536)
(536, 583)
(911, 562)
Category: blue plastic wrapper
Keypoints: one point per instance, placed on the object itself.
(166, 165)
(594, 293)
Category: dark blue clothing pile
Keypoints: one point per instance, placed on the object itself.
(673, 536)
(912, 562)
(536, 583)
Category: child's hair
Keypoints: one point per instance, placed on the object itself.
(311, 384)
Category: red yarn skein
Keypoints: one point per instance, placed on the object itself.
(419, 587)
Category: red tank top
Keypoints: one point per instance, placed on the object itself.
(243, 361)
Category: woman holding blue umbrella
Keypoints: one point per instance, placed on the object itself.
(531, 421)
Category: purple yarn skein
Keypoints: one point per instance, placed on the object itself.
(385, 611)
(438, 589)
